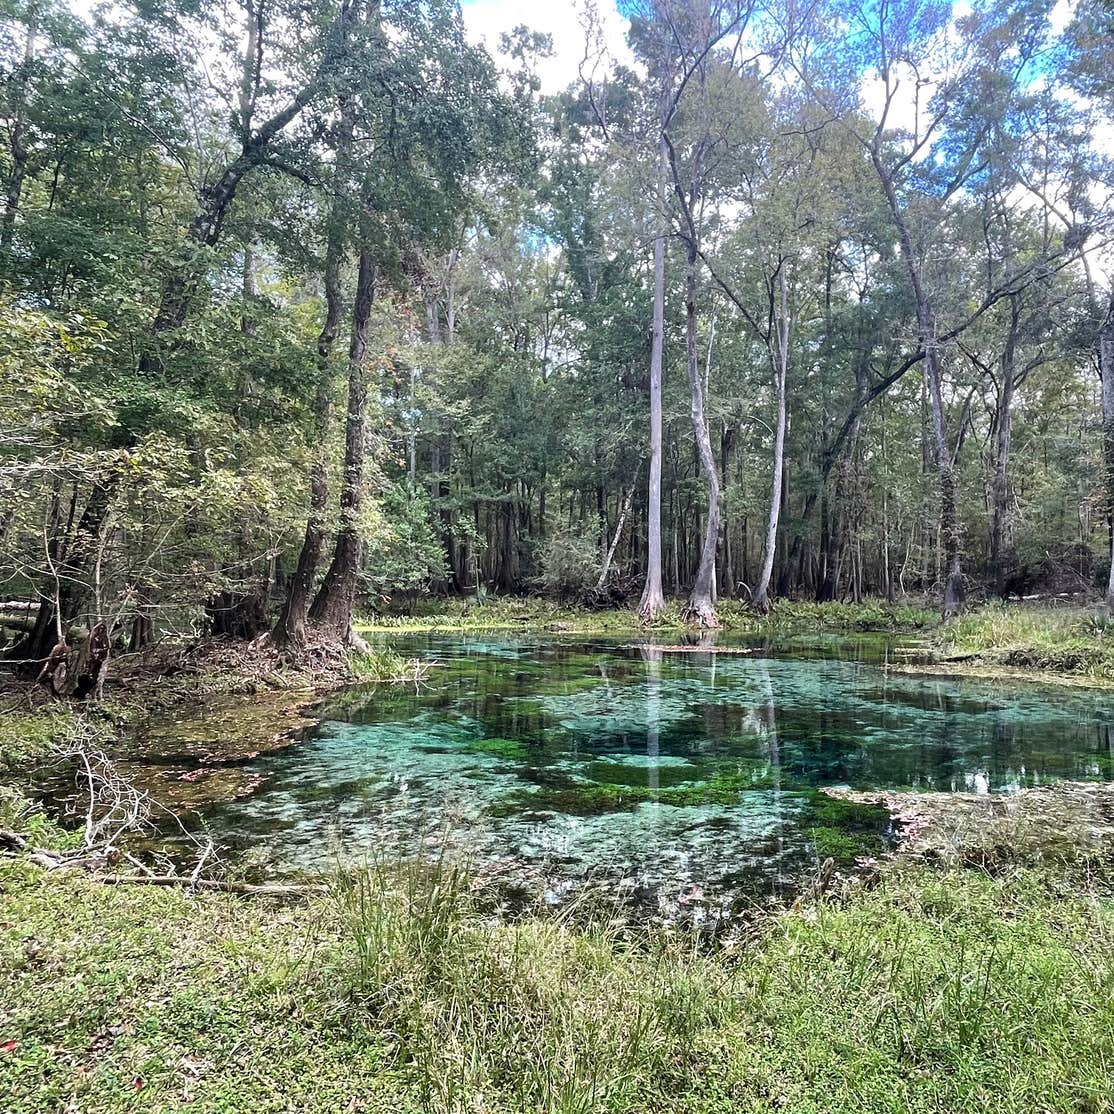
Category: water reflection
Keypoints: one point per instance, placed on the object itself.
(677, 770)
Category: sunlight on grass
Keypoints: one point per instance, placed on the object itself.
(950, 990)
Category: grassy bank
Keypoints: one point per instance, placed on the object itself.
(535, 614)
(933, 991)
(1052, 642)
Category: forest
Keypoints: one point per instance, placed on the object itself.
(557, 559)
(313, 309)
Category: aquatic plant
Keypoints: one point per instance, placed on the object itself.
(387, 666)
(844, 829)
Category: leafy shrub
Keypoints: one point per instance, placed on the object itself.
(408, 555)
(570, 564)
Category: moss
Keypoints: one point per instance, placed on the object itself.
(28, 736)
(510, 749)
(588, 798)
(845, 830)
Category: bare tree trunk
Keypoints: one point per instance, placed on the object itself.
(761, 600)
(610, 555)
(700, 608)
(941, 453)
(652, 603)
(999, 542)
(335, 602)
(1106, 369)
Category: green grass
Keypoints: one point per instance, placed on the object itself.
(1069, 641)
(531, 614)
(933, 991)
(385, 665)
(28, 735)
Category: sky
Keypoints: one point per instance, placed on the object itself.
(486, 20)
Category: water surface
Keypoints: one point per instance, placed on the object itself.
(681, 777)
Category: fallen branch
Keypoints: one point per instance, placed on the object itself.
(257, 889)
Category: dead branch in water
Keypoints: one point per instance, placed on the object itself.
(112, 809)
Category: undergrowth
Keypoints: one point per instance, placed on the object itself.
(533, 613)
(29, 734)
(935, 990)
(1070, 641)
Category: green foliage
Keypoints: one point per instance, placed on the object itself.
(953, 990)
(845, 830)
(407, 554)
(29, 736)
(570, 563)
(1069, 641)
(385, 665)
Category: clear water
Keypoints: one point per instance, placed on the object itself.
(680, 778)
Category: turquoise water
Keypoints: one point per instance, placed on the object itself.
(678, 777)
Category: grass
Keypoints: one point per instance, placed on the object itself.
(934, 988)
(950, 990)
(1072, 642)
(380, 665)
(29, 734)
(532, 613)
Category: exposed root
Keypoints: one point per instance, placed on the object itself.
(700, 614)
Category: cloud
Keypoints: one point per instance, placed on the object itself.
(486, 20)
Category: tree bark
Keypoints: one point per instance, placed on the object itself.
(652, 603)
(290, 630)
(66, 587)
(609, 556)
(941, 452)
(999, 540)
(700, 609)
(1106, 370)
(335, 602)
(761, 601)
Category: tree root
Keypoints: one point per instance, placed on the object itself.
(700, 614)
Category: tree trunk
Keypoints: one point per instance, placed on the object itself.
(700, 609)
(999, 541)
(66, 589)
(214, 200)
(610, 555)
(761, 600)
(291, 626)
(941, 452)
(652, 603)
(335, 602)
(1106, 369)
